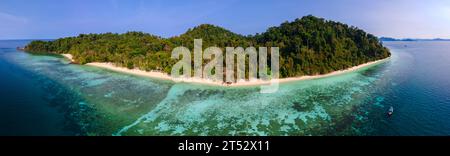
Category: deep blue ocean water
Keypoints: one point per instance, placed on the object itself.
(45, 95)
(23, 107)
(420, 91)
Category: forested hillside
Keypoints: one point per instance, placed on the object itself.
(308, 46)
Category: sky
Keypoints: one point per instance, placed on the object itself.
(50, 19)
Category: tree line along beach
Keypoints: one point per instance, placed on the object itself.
(310, 47)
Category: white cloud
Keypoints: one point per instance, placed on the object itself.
(5, 17)
(12, 26)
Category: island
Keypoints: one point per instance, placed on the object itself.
(310, 47)
(412, 39)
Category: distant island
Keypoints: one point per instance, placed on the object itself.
(308, 46)
(411, 39)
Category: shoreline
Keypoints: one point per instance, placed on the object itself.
(164, 76)
(69, 56)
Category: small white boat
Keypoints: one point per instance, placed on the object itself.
(390, 111)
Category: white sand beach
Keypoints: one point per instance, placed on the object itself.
(68, 56)
(164, 76)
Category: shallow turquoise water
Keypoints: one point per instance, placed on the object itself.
(93, 101)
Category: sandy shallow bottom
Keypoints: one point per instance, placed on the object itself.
(49, 96)
(103, 102)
